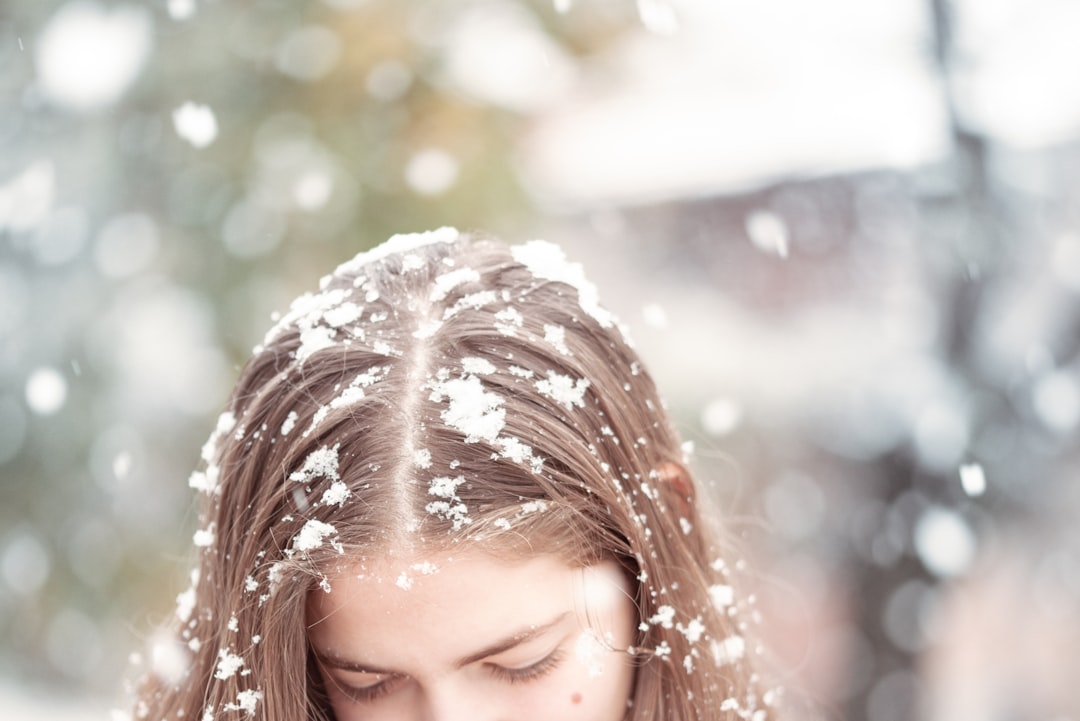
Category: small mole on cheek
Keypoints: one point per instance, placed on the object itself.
(575, 698)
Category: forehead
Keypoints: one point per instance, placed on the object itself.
(398, 608)
(402, 606)
(416, 582)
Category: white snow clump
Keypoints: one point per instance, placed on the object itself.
(472, 410)
(564, 389)
(313, 533)
(548, 262)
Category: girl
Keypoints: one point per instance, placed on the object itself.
(446, 488)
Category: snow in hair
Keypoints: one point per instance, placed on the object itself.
(449, 391)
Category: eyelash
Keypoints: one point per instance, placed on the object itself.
(529, 673)
(510, 675)
(369, 694)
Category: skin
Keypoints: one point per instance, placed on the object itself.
(477, 639)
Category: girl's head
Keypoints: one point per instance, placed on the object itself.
(452, 445)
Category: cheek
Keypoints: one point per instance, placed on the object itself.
(343, 707)
(595, 687)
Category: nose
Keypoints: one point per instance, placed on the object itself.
(451, 700)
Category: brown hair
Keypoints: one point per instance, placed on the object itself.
(437, 389)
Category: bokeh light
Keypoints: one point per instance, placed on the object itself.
(846, 237)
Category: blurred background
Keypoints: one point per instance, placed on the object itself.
(846, 236)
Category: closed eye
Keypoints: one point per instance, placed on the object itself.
(528, 673)
(366, 694)
(386, 686)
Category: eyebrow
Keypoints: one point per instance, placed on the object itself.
(512, 641)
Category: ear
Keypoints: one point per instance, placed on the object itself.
(675, 480)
